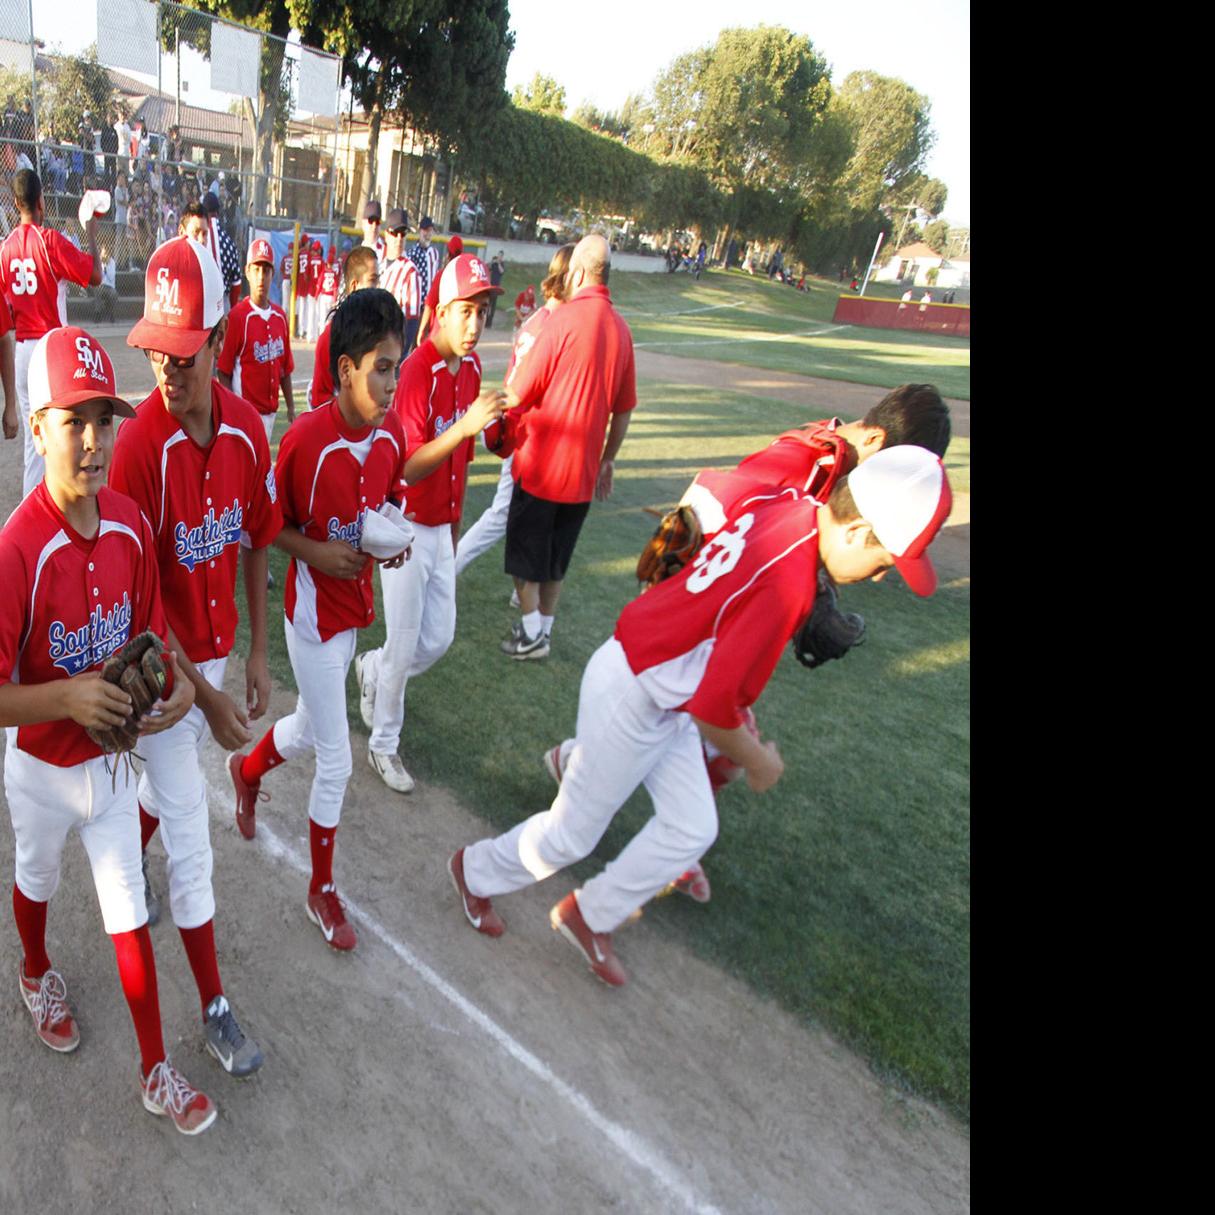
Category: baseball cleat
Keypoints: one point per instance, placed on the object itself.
(694, 883)
(391, 771)
(149, 895)
(325, 910)
(480, 912)
(514, 599)
(46, 999)
(238, 1055)
(247, 797)
(552, 763)
(166, 1092)
(366, 691)
(520, 645)
(595, 947)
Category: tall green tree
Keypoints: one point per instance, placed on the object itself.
(75, 84)
(543, 95)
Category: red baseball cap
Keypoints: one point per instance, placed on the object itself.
(260, 251)
(183, 299)
(69, 366)
(463, 278)
(904, 495)
(455, 245)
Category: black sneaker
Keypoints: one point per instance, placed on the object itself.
(520, 645)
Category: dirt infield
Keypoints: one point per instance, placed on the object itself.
(436, 1070)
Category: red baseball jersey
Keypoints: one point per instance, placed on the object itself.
(329, 476)
(810, 459)
(200, 502)
(36, 265)
(579, 372)
(284, 272)
(257, 353)
(71, 603)
(316, 267)
(329, 280)
(400, 277)
(322, 390)
(707, 641)
(430, 400)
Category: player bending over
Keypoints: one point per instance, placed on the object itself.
(686, 661)
(78, 565)
(337, 467)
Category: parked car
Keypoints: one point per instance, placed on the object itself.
(558, 230)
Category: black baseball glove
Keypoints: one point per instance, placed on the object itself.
(828, 633)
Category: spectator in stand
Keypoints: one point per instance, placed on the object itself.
(425, 256)
(497, 270)
(109, 147)
(107, 290)
(170, 185)
(122, 132)
(8, 153)
(256, 361)
(223, 250)
(135, 225)
(525, 305)
(359, 271)
(175, 148)
(372, 219)
(399, 276)
(455, 246)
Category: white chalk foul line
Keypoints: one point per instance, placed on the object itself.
(763, 337)
(685, 312)
(632, 1145)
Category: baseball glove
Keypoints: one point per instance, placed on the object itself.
(139, 669)
(675, 542)
(828, 633)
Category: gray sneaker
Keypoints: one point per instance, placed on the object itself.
(366, 691)
(520, 645)
(240, 1056)
(149, 895)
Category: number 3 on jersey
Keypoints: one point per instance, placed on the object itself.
(25, 277)
(719, 556)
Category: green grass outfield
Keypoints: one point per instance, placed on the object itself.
(844, 892)
(728, 316)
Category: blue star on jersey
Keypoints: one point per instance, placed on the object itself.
(194, 545)
(76, 650)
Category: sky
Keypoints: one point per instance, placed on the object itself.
(603, 53)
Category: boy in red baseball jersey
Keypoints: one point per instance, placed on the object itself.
(316, 269)
(196, 460)
(326, 301)
(337, 468)
(77, 563)
(256, 361)
(687, 660)
(36, 265)
(360, 272)
(442, 409)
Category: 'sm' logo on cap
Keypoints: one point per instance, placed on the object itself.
(166, 292)
(478, 271)
(90, 359)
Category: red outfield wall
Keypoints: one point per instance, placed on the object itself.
(952, 319)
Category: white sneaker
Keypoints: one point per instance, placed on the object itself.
(391, 771)
(514, 599)
(366, 691)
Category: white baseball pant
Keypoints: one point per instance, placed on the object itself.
(420, 615)
(300, 301)
(324, 305)
(268, 423)
(624, 739)
(46, 801)
(34, 465)
(491, 526)
(319, 721)
(173, 790)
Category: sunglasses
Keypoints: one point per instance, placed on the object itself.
(159, 358)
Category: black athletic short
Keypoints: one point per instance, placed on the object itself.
(540, 536)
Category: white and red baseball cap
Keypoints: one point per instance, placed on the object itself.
(904, 495)
(69, 366)
(260, 251)
(183, 299)
(463, 278)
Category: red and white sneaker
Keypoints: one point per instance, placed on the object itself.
(325, 910)
(480, 912)
(552, 763)
(166, 1092)
(46, 998)
(596, 947)
(694, 883)
(247, 797)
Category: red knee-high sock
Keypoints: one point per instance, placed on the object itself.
(321, 842)
(31, 927)
(147, 827)
(200, 949)
(261, 759)
(137, 974)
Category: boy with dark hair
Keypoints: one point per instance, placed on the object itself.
(337, 467)
(360, 272)
(36, 264)
(77, 562)
(684, 664)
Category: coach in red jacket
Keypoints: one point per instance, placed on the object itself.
(576, 386)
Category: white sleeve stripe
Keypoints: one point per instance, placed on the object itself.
(179, 437)
(316, 475)
(52, 546)
(225, 429)
(767, 565)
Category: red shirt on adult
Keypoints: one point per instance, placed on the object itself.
(579, 372)
(257, 353)
(200, 501)
(36, 265)
(430, 400)
(329, 476)
(707, 640)
(71, 603)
